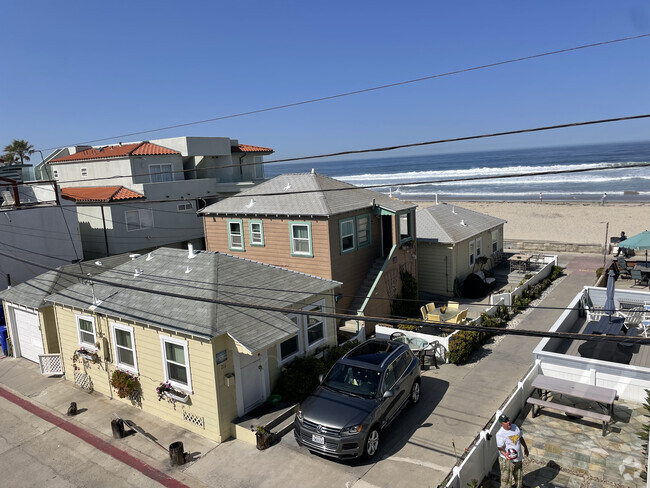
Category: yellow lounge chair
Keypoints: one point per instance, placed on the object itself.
(453, 306)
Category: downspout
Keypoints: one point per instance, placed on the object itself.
(104, 227)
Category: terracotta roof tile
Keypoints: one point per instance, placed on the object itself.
(109, 152)
(99, 193)
(247, 148)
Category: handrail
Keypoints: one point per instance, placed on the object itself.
(377, 279)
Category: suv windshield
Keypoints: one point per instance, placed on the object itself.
(353, 380)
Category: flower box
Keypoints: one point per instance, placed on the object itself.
(177, 396)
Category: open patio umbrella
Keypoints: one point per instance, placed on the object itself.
(638, 242)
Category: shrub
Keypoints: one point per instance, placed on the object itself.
(409, 327)
(406, 303)
(461, 346)
(125, 384)
(299, 378)
(556, 272)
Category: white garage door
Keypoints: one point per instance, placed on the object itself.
(30, 342)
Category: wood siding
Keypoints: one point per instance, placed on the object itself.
(436, 268)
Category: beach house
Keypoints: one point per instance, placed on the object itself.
(454, 242)
(324, 227)
(206, 333)
(142, 195)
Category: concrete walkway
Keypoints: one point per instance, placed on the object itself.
(419, 449)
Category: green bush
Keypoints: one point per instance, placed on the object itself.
(556, 272)
(461, 346)
(406, 303)
(409, 327)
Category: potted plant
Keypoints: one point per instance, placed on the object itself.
(125, 384)
(166, 390)
(83, 354)
(263, 436)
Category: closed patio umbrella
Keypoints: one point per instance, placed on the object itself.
(610, 307)
(638, 242)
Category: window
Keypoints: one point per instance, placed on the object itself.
(138, 219)
(363, 230)
(315, 326)
(259, 167)
(256, 233)
(300, 239)
(84, 172)
(346, 228)
(289, 348)
(55, 174)
(124, 347)
(406, 227)
(176, 363)
(183, 207)
(472, 256)
(86, 330)
(495, 240)
(160, 173)
(479, 243)
(235, 235)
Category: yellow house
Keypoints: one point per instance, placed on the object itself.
(192, 320)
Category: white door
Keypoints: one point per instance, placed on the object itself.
(252, 381)
(28, 332)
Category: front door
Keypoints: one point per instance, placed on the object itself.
(252, 380)
(386, 234)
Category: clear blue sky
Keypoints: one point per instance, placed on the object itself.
(82, 70)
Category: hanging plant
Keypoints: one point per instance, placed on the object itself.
(125, 384)
(84, 355)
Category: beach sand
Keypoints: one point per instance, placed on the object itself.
(567, 222)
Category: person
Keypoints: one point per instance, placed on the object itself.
(621, 239)
(541, 198)
(509, 443)
(603, 198)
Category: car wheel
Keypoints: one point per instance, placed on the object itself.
(415, 392)
(372, 443)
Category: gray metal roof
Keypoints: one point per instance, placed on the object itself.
(303, 194)
(32, 293)
(448, 223)
(207, 275)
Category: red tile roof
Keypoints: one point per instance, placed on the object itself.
(99, 193)
(109, 152)
(246, 148)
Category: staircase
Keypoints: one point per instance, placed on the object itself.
(362, 293)
(278, 421)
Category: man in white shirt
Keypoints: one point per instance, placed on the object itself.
(509, 443)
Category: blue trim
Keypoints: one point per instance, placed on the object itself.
(311, 246)
(241, 229)
(368, 231)
(250, 232)
(352, 223)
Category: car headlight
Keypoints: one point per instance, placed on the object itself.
(299, 414)
(355, 429)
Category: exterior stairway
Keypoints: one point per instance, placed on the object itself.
(350, 326)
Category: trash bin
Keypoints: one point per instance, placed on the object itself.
(3, 339)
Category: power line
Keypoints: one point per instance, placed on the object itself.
(364, 90)
(425, 326)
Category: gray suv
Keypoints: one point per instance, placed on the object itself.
(362, 393)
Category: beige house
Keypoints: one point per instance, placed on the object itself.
(451, 241)
(324, 227)
(207, 336)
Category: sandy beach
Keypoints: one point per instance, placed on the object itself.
(569, 222)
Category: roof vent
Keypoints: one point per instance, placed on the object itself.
(133, 256)
(188, 270)
(190, 251)
(98, 263)
(250, 204)
(462, 222)
(149, 256)
(453, 210)
(436, 199)
(137, 273)
(287, 188)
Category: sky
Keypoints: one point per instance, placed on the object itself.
(77, 71)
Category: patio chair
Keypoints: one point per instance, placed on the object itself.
(431, 307)
(430, 352)
(433, 317)
(638, 277)
(396, 334)
(423, 311)
(453, 306)
(633, 317)
(623, 268)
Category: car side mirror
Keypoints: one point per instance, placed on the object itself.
(320, 378)
(388, 394)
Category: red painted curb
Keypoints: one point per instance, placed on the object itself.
(94, 441)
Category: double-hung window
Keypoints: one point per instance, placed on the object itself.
(138, 219)
(235, 235)
(406, 227)
(160, 173)
(301, 239)
(86, 331)
(363, 230)
(495, 240)
(315, 325)
(256, 232)
(479, 244)
(176, 363)
(124, 347)
(346, 228)
(472, 255)
(290, 347)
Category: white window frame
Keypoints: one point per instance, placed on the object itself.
(351, 233)
(133, 369)
(479, 247)
(86, 345)
(179, 342)
(230, 234)
(305, 318)
(185, 206)
(297, 319)
(495, 240)
(310, 252)
(140, 213)
(167, 172)
(84, 172)
(256, 238)
(472, 253)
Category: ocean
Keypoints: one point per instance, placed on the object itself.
(423, 177)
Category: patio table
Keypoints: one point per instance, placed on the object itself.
(416, 344)
(444, 316)
(519, 261)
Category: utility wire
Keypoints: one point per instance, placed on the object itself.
(364, 90)
(425, 326)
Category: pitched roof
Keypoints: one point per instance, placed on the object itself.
(110, 152)
(99, 193)
(207, 275)
(246, 148)
(32, 293)
(450, 224)
(307, 194)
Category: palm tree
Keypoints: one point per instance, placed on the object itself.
(19, 149)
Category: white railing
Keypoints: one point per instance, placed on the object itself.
(50, 363)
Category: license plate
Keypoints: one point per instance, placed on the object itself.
(318, 439)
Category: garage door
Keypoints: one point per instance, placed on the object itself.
(30, 342)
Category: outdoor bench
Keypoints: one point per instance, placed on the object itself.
(605, 419)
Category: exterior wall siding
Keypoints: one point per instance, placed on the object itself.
(436, 263)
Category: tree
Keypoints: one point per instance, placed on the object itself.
(18, 151)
